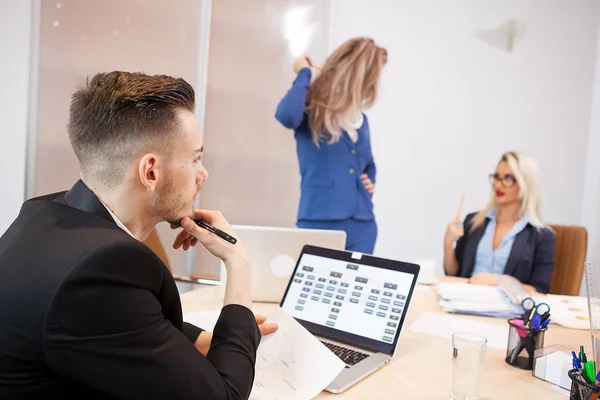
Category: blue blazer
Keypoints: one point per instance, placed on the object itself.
(531, 258)
(331, 187)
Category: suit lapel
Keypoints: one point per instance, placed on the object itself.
(518, 249)
(83, 199)
(471, 248)
(346, 139)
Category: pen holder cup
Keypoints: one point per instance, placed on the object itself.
(581, 390)
(522, 344)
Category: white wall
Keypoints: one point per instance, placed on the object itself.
(451, 103)
(247, 177)
(591, 198)
(15, 42)
(81, 38)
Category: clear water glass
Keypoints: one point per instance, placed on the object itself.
(468, 356)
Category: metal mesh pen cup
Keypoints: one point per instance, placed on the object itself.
(580, 389)
(522, 344)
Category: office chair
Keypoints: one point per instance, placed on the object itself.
(569, 258)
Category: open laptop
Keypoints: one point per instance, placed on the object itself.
(273, 253)
(354, 303)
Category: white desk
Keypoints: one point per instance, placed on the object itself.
(421, 368)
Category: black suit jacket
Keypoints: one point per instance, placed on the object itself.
(531, 258)
(88, 312)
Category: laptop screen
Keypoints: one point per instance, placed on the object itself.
(350, 300)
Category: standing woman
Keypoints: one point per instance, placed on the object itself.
(333, 140)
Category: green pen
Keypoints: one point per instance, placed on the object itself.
(590, 371)
(582, 356)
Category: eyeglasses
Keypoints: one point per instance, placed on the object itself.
(507, 180)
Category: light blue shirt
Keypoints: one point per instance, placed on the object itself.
(494, 261)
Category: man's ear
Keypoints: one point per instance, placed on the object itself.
(149, 171)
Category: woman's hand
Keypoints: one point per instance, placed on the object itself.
(367, 183)
(454, 232)
(485, 278)
(301, 62)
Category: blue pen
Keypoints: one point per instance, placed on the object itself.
(598, 379)
(536, 321)
(576, 362)
(545, 324)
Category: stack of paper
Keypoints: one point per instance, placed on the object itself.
(471, 293)
(554, 368)
(470, 299)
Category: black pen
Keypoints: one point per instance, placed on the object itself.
(218, 232)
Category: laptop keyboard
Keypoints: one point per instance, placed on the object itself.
(350, 357)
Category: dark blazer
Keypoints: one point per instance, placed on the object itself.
(88, 312)
(331, 187)
(531, 258)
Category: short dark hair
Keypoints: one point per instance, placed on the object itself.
(118, 114)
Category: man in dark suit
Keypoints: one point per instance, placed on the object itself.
(88, 311)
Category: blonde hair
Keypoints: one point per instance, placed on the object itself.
(526, 172)
(347, 84)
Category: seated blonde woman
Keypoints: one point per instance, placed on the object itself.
(507, 236)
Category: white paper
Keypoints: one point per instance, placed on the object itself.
(471, 293)
(554, 368)
(568, 311)
(203, 319)
(444, 326)
(490, 310)
(291, 363)
(558, 365)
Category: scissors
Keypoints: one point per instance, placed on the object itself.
(536, 314)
